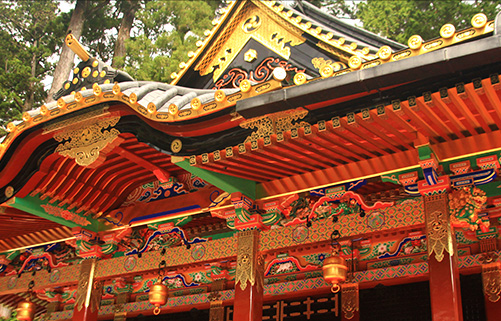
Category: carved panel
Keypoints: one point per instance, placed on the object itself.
(438, 226)
(491, 278)
(247, 259)
(349, 300)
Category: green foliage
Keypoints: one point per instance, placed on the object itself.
(168, 30)
(30, 34)
(399, 20)
(12, 316)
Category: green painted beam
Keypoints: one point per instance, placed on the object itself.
(52, 212)
(227, 183)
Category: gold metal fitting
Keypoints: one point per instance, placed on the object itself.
(78, 97)
(384, 52)
(176, 146)
(299, 78)
(102, 74)
(116, 88)
(298, 19)
(26, 116)
(76, 70)
(415, 42)
(245, 86)
(11, 127)
(326, 71)
(447, 31)
(341, 41)
(97, 89)
(95, 73)
(44, 110)
(191, 54)
(289, 13)
(479, 20)
(219, 96)
(107, 81)
(355, 62)
(133, 98)
(250, 55)
(279, 73)
(174, 75)
(9, 191)
(307, 25)
(199, 43)
(329, 36)
(95, 63)
(152, 108)
(207, 32)
(353, 45)
(74, 81)
(182, 65)
(67, 85)
(366, 50)
(83, 88)
(86, 72)
(173, 109)
(61, 103)
(196, 103)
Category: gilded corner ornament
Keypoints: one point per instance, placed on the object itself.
(438, 227)
(491, 279)
(349, 300)
(85, 140)
(89, 291)
(247, 259)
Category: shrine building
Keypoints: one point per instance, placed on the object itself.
(296, 168)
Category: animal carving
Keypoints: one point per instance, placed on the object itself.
(465, 204)
(284, 267)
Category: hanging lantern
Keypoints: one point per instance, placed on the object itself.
(26, 309)
(158, 292)
(335, 268)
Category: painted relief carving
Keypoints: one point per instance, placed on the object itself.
(247, 260)
(85, 140)
(234, 76)
(67, 215)
(465, 204)
(438, 227)
(491, 278)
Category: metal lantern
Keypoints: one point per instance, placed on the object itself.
(335, 268)
(25, 311)
(159, 292)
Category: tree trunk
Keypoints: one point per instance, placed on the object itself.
(129, 10)
(28, 104)
(65, 64)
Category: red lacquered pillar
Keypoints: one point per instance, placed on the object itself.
(248, 304)
(491, 278)
(88, 296)
(445, 291)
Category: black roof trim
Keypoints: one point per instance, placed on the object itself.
(439, 63)
(337, 26)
